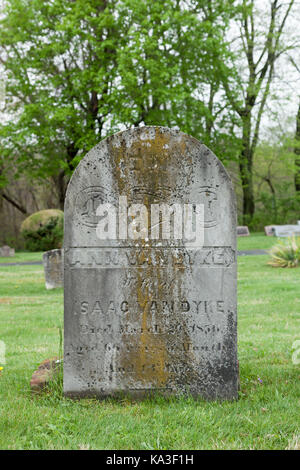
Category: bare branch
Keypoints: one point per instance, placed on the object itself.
(14, 203)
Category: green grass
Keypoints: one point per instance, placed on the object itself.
(256, 241)
(266, 416)
(22, 256)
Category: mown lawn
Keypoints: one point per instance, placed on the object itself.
(22, 256)
(266, 416)
(256, 241)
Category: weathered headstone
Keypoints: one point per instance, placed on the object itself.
(286, 230)
(242, 231)
(53, 268)
(269, 230)
(147, 313)
(6, 251)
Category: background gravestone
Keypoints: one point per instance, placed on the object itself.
(269, 230)
(53, 268)
(145, 315)
(242, 231)
(6, 251)
(287, 230)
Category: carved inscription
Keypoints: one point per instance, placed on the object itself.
(208, 196)
(165, 307)
(123, 257)
(86, 204)
(153, 313)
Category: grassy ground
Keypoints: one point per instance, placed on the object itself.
(22, 256)
(256, 241)
(266, 416)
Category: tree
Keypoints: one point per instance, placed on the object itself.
(273, 172)
(297, 133)
(78, 71)
(60, 62)
(297, 151)
(260, 48)
(169, 72)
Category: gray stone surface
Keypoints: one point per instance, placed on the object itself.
(146, 316)
(53, 268)
(6, 251)
(287, 230)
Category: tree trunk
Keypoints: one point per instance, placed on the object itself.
(248, 193)
(62, 188)
(297, 152)
(272, 189)
(246, 171)
(62, 179)
(61, 185)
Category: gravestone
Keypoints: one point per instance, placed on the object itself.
(287, 230)
(6, 251)
(145, 311)
(242, 231)
(269, 230)
(53, 268)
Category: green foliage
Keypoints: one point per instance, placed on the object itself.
(79, 71)
(40, 218)
(54, 388)
(262, 40)
(286, 254)
(276, 200)
(286, 210)
(43, 230)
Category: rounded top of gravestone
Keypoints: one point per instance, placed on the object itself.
(161, 141)
(147, 165)
(52, 253)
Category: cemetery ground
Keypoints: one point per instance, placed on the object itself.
(266, 416)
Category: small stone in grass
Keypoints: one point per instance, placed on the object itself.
(46, 372)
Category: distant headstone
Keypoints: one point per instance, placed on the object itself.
(286, 230)
(6, 251)
(146, 311)
(53, 268)
(269, 230)
(242, 231)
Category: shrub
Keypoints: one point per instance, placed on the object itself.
(43, 230)
(286, 254)
(270, 211)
